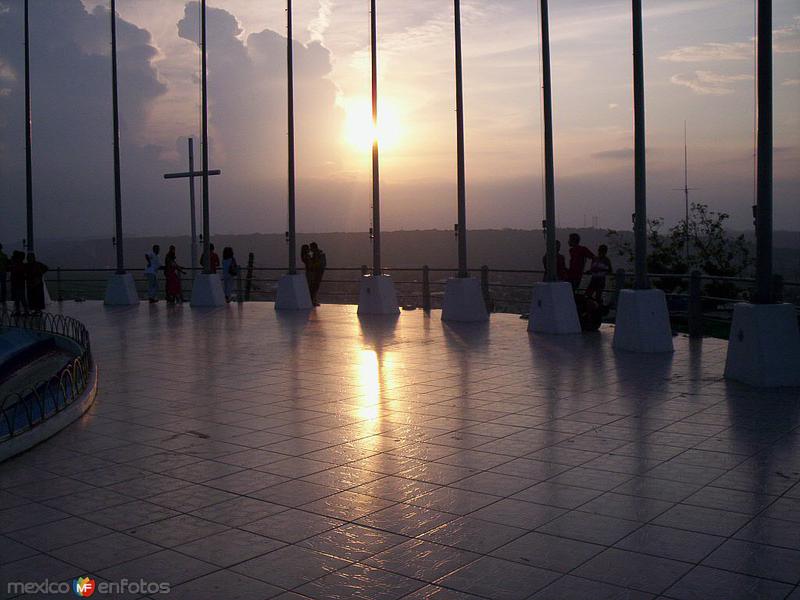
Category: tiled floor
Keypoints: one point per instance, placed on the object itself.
(244, 454)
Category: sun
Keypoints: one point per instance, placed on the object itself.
(359, 130)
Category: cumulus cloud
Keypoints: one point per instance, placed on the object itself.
(709, 83)
(71, 106)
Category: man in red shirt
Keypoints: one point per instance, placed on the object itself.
(578, 255)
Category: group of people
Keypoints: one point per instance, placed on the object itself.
(25, 275)
(579, 255)
(315, 263)
(173, 271)
(589, 304)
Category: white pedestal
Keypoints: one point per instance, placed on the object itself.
(121, 290)
(377, 296)
(463, 301)
(207, 291)
(764, 346)
(553, 309)
(293, 293)
(643, 322)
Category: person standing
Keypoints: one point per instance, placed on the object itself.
(151, 272)
(578, 255)
(4, 264)
(600, 269)
(214, 259)
(173, 272)
(229, 272)
(34, 283)
(561, 264)
(17, 270)
(319, 263)
(305, 256)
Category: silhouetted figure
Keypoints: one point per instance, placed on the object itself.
(17, 276)
(561, 264)
(318, 262)
(173, 272)
(590, 312)
(4, 266)
(230, 269)
(305, 256)
(578, 255)
(214, 259)
(34, 283)
(600, 269)
(151, 272)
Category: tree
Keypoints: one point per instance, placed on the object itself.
(711, 250)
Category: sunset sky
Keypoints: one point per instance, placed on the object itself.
(699, 68)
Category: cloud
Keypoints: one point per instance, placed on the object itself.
(710, 51)
(71, 113)
(791, 82)
(785, 40)
(616, 154)
(708, 83)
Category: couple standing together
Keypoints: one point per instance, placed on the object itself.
(315, 262)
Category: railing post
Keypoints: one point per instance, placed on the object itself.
(619, 284)
(777, 288)
(239, 294)
(695, 307)
(426, 288)
(487, 300)
(249, 278)
(364, 270)
(59, 297)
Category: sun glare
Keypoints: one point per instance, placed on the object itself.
(359, 130)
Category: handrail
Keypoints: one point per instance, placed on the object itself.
(23, 410)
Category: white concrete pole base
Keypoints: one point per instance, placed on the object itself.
(293, 293)
(121, 290)
(463, 301)
(643, 322)
(377, 296)
(764, 346)
(207, 291)
(553, 309)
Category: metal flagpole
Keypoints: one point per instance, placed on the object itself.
(204, 108)
(376, 184)
(115, 110)
(686, 189)
(28, 137)
(764, 294)
(549, 176)
(290, 90)
(191, 203)
(462, 202)
(640, 218)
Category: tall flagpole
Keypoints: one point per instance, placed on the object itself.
(462, 201)
(290, 91)
(376, 184)
(640, 219)
(28, 137)
(204, 120)
(549, 175)
(115, 111)
(764, 293)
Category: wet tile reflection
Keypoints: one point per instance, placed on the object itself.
(325, 456)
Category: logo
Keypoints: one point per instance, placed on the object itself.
(83, 587)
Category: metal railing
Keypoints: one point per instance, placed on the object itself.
(694, 307)
(22, 410)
